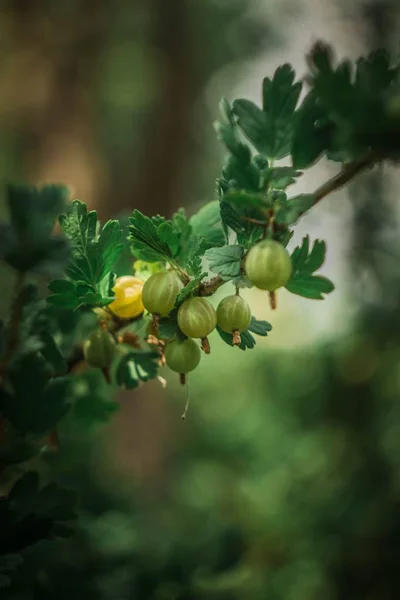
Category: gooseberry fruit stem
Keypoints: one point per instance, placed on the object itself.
(236, 338)
(205, 345)
(272, 300)
(184, 414)
(155, 322)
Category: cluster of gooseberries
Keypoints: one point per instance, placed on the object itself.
(268, 266)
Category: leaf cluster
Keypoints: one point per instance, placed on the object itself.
(28, 241)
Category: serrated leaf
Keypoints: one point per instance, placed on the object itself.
(225, 261)
(247, 340)
(92, 403)
(232, 218)
(305, 262)
(291, 210)
(279, 178)
(137, 367)
(241, 212)
(311, 286)
(353, 99)
(188, 289)
(31, 513)
(312, 132)
(52, 354)
(28, 243)
(281, 94)
(259, 327)
(168, 328)
(206, 224)
(244, 198)
(270, 130)
(155, 239)
(94, 254)
(34, 403)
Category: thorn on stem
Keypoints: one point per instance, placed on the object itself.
(236, 339)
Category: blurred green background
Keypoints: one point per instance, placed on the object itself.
(284, 482)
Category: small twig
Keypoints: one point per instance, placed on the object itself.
(209, 287)
(256, 221)
(348, 173)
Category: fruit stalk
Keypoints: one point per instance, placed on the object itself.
(236, 338)
(205, 345)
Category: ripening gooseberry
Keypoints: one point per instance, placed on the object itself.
(268, 265)
(128, 297)
(233, 314)
(197, 317)
(99, 349)
(160, 292)
(182, 357)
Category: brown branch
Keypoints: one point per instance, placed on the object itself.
(348, 173)
(209, 287)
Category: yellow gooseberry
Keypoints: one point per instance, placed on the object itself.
(128, 297)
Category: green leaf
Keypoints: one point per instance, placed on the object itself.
(52, 354)
(270, 130)
(310, 286)
(305, 263)
(137, 367)
(279, 178)
(94, 255)
(64, 294)
(92, 403)
(259, 327)
(189, 289)
(228, 133)
(168, 327)
(246, 199)
(155, 239)
(206, 224)
(232, 218)
(34, 404)
(353, 100)
(31, 513)
(312, 132)
(240, 171)
(27, 244)
(225, 261)
(247, 340)
(294, 208)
